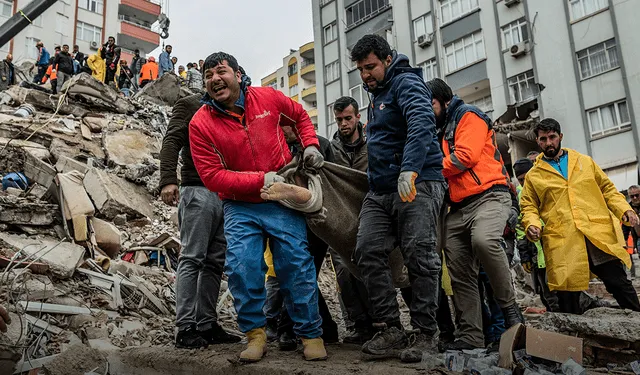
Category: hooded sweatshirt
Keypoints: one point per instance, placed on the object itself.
(401, 133)
(351, 155)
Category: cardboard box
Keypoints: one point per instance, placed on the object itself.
(538, 343)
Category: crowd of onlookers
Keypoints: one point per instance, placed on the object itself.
(106, 65)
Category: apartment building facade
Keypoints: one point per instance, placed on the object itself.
(518, 60)
(87, 23)
(296, 78)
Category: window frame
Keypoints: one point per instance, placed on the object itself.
(297, 90)
(484, 100)
(427, 21)
(6, 3)
(588, 54)
(449, 5)
(516, 81)
(353, 16)
(334, 34)
(600, 6)
(99, 4)
(431, 64)
(30, 44)
(80, 31)
(619, 126)
(362, 103)
(332, 65)
(517, 25)
(474, 43)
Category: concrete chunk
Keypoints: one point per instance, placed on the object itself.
(108, 237)
(21, 211)
(62, 257)
(163, 91)
(37, 170)
(129, 147)
(113, 195)
(65, 164)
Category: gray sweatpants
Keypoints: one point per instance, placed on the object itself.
(473, 235)
(62, 78)
(202, 257)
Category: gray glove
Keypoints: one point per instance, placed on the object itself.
(512, 221)
(271, 178)
(312, 157)
(407, 186)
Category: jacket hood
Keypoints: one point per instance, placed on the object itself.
(208, 100)
(361, 140)
(453, 106)
(399, 64)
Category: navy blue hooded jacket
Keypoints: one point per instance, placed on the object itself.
(401, 132)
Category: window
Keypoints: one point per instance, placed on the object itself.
(597, 59)
(422, 26)
(88, 33)
(464, 51)
(583, 8)
(351, 65)
(609, 118)
(361, 96)
(484, 104)
(332, 71)
(523, 87)
(362, 10)
(30, 47)
(293, 91)
(429, 69)
(324, 2)
(6, 8)
(330, 33)
(514, 33)
(292, 69)
(37, 21)
(94, 6)
(62, 24)
(330, 115)
(453, 9)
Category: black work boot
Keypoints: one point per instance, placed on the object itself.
(287, 342)
(272, 329)
(190, 338)
(387, 343)
(512, 316)
(217, 335)
(422, 343)
(455, 345)
(359, 336)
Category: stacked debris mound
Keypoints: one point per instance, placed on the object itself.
(87, 252)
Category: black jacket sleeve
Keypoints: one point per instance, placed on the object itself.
(176, 138)
(326, 150)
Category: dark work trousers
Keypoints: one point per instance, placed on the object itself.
(385, 221)
(614, 278)
(549, 299)
(318, 250)
(353, 293)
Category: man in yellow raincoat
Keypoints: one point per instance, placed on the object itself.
(581, 209)
(97, 66)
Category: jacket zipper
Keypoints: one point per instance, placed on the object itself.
(475, 177)
(246, 130)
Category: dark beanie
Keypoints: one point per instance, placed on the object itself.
(522, 166)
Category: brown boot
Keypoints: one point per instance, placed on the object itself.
(314, 349)
(257, 346)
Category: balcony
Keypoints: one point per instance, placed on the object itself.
(307, 51)
(313, 113)
(308, 70)
(309, 94)
(135, 34)
(141, 10)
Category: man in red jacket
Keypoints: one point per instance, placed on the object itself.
(237, 145)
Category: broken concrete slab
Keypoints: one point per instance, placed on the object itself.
(37, 170)
(108, 237)
(62, 257)
(95, 124)
(129, 147)
(76, 200)
(38, 287)
(85, 89)
(52, 308)
(603, 322)
(25, 211)
(38, 150)
(50, 102)
(113, 195)
(66, 164)
(16, 334)
(163, 91)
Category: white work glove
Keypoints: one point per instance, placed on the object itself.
(271, 178)
(407, 186)
(312, 157)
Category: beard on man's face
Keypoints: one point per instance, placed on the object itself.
(551, 152)
(441, 119)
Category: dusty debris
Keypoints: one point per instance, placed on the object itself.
(163, 91)
(113, 196)
(108, 237)
(127, 147)
(27, 211)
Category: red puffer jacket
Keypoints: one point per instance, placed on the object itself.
(232, 154)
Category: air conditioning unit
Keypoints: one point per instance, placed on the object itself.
(425, 41)
(518, 49)
(510, 3)
(94, 45)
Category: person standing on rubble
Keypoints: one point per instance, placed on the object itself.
(200, 217)
(136, 66)
(166, 65)
(7, 73)
(110, 53)
(406, 191)
(64, 67)
(96, 63)
(124, 78)
(581, 210)
(194, 78)
(149, 72)
(42, 62)
(634, 195)
(237, 147)
(79, 59)
(174, 64)
(481, 206)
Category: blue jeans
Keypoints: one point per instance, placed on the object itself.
(247, 227)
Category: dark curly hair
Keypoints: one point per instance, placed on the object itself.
(217, 58)
(440, 91)
(548, 124)
(371, 43)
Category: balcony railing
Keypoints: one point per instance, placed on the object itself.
(307, 62)
(134, 21)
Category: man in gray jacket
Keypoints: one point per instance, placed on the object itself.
(201, 233)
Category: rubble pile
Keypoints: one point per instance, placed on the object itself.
(87, 252)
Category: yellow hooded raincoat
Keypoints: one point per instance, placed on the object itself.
(586, 205)
(97, 66)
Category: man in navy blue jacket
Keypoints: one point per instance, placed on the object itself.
(406, 191)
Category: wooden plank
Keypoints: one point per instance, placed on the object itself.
(157, 303)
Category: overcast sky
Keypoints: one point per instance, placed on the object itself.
(259, 33)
